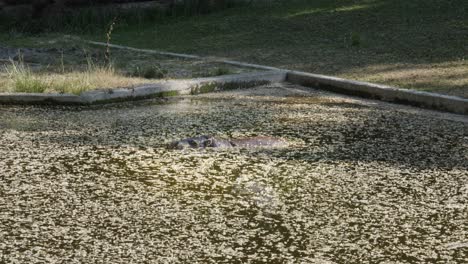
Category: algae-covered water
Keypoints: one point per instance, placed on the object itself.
(360, 182)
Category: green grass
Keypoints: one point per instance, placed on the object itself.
(221, 71)
(218, 71)
(23, 79)
(421, 44)
(72, 68)
(300, 27)
(151, 71)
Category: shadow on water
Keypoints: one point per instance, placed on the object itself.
(385, 137)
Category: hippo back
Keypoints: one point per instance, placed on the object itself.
(259, 141)
(218, 143)
(214, 142)
(193, 142)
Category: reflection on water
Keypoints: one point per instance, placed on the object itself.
(358, 184)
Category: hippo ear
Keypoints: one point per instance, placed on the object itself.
(208, 143)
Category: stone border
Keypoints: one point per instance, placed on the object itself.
(159, 89)
(429, 100)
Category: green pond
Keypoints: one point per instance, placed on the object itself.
(360, 182)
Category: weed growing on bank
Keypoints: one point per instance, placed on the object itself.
(21, 78)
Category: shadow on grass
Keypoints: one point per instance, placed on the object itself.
(326, 37)
(346, 38)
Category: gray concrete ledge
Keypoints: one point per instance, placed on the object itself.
(172, 54)
(159, 89)
(381, 92)
(40, 98)
(429, 100)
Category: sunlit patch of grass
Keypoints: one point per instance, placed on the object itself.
(353, 7)
(306, 12)
(448, 78)
(23, 80)
(312, 11)
(20, 78)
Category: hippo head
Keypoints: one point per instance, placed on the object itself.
(200, 142)
(194, 142)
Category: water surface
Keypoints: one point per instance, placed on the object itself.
(360, 183)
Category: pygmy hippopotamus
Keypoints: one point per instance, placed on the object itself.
(215, 142)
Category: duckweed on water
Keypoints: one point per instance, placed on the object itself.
(361, 183)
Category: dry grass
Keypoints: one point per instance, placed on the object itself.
(448, 78)
(19, 77)
(68, 66)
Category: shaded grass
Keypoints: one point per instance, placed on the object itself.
(95, 17)
(360, 39)
(218, 71)
(151, 71)
(341, 37)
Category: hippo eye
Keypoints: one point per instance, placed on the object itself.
(193, 143)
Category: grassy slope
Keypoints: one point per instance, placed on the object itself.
(416, 44)
(419, 44)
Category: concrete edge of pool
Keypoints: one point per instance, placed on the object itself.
(453, 104)
(153, 90)
(435, 101)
